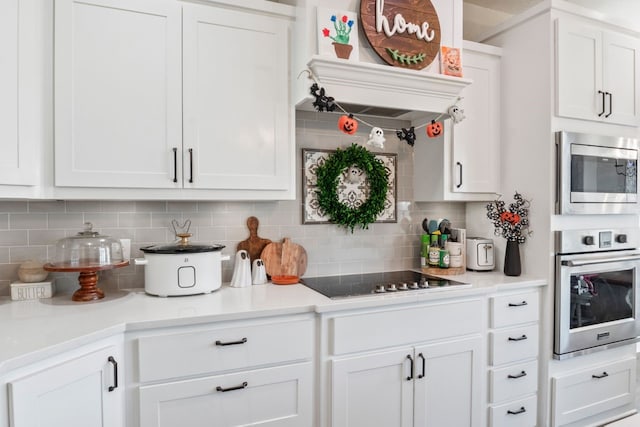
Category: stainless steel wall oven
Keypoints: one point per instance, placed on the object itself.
(597, 303)
(596, 174)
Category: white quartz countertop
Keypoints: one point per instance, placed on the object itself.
(36, 329)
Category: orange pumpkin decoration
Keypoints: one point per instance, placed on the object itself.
(510, 217)
(348, 124)
(434, 129)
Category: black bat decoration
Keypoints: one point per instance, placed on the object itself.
(322, 102)
(407, 135)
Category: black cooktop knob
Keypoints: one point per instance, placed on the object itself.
(588, 240)
(621, 238)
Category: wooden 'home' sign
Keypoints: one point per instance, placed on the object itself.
(404, 33)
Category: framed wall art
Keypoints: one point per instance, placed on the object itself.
(337, 34)
(352, 186)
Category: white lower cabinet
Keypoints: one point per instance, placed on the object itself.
(77, 389)
(513, 359)
(405, 372)
(430, 385)
(592, 391)
(254, 372)
(278, 396)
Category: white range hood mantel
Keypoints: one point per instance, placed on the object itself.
(384, 86)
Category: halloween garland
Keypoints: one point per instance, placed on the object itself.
(348, 123)
(511, 223)
(328, 176)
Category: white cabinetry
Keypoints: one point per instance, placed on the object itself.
(117, 93)
(19, 84)
(433, 379)
(598, 72)
(464, 164)
(583, 396)
(513, 372)
(169, 95)
(77, 389)
(240, 373)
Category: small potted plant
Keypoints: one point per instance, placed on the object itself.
(341, 39)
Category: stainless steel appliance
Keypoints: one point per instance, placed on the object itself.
(480, 254)
(596, 174)
(596, 290)
(353, 285)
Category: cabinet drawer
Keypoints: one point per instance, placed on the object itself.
(511, 345)
(509, 310)
(520, 413)
(513, 381)
(221, 349)
(257, 397)
(397, 327)
(590, 391)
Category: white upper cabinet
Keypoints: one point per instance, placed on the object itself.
(117, 93)
(598, 72)
(236, 101)
(476, 139)
(166, 95)
(464, 163)
(18, 133)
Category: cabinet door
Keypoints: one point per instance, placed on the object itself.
(79, 392)
(18, 165)
(279, 396)
(621, 75)
(476, 139)
(373, 390)
(117, 93)
(237, 119)
(447, 391)
(579, 71)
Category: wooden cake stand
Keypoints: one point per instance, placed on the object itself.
(88, 278)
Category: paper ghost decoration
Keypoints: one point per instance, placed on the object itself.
(353, 175)
(456, 113)
(376, 137)
(408, 135)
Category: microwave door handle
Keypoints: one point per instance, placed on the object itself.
(579, 263)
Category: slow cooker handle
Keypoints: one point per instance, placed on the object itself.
(140, 261)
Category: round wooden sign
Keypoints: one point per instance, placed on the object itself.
(404, 33)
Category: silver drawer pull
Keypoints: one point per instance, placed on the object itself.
(519, 411)
(238, 387)
(242, 341)
(598, 377)
(520, 375)
(523, 337)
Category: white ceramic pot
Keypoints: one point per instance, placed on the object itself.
(180, 269)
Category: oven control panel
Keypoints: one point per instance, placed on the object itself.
(576, 241)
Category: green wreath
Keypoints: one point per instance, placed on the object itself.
(328, 178)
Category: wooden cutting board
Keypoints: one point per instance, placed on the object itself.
(254, 244)
(284, 258)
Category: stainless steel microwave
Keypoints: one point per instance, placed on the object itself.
(596, 174)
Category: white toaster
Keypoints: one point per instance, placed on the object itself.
(480, 254)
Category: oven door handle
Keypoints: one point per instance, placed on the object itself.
(579, 263)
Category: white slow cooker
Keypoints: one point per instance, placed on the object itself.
(182, 268)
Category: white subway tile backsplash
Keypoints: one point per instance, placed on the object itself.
(47, 206)
(69, 221)
(134, 220)
(32, 228)
(11, 238)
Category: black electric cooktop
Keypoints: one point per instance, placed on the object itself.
(378, 283)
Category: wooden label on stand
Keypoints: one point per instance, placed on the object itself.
(404, 33)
